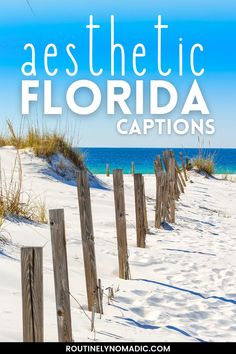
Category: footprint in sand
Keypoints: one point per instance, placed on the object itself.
(139, 311)
(125, 299)
(195, 281)
(216, 270)
(153, 300)
(140, 292)
(194, 308)
(230, 295)
(197, 315)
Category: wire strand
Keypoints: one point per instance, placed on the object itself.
(31, 9)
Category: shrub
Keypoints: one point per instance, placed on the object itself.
(13, 202)
(43, 144)
(204, 164)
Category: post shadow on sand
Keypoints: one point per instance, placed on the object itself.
(3, 254)
(154, 327)
(94, 181)
(166, 226)
(192, 292)
(4, 241)
(187, 251)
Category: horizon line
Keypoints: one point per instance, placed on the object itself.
(149, 147)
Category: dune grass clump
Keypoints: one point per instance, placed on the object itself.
(43, 144)
(15, 203)
(204, 164)
(4, 141)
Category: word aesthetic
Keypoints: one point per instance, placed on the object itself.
(138, 96)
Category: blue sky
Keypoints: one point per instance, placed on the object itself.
(211, 23)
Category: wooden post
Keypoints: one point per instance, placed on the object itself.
(132, 168)
(93, 318)
(107, 169)
(177, 186)
(139, 210)
(183, 183)
(100, 293)
(172, 183)
(145, 208)
(158, 164)
(87, 234)
(118, 185)
(165, 197)
(160, 176)
(166, 159)
(179, 180)
(32, 293)
(183, 166)
(163, 186)
(168, 187)
(187, 163)
(59, 256)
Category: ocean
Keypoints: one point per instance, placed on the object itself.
(143, 158)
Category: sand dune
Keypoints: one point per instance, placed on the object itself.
(183, 283)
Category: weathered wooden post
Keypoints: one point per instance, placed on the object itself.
(166, 156)
(160, 179)
(145, 208)
(187, 164)
(32, 293)
(172, 183)
(177, 186)
(107, 170)
(179, 180)
(139, 210)
(183, 165)
(118, 184)
(86, 224)
(132, 168)
(59, 256)
(100, 295)
(165, 197)
(167, 187)
(158, 164)
(160, 175)
(183, 183)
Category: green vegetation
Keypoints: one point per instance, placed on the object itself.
(43, 144)
(204, 164)
(14, 203)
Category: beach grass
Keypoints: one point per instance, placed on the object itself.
(15, 203)
(204, 163)
(43, 144)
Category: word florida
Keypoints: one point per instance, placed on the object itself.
(118, 93)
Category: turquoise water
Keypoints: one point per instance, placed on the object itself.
(97, 158)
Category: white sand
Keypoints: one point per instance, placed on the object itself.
(183, 283)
